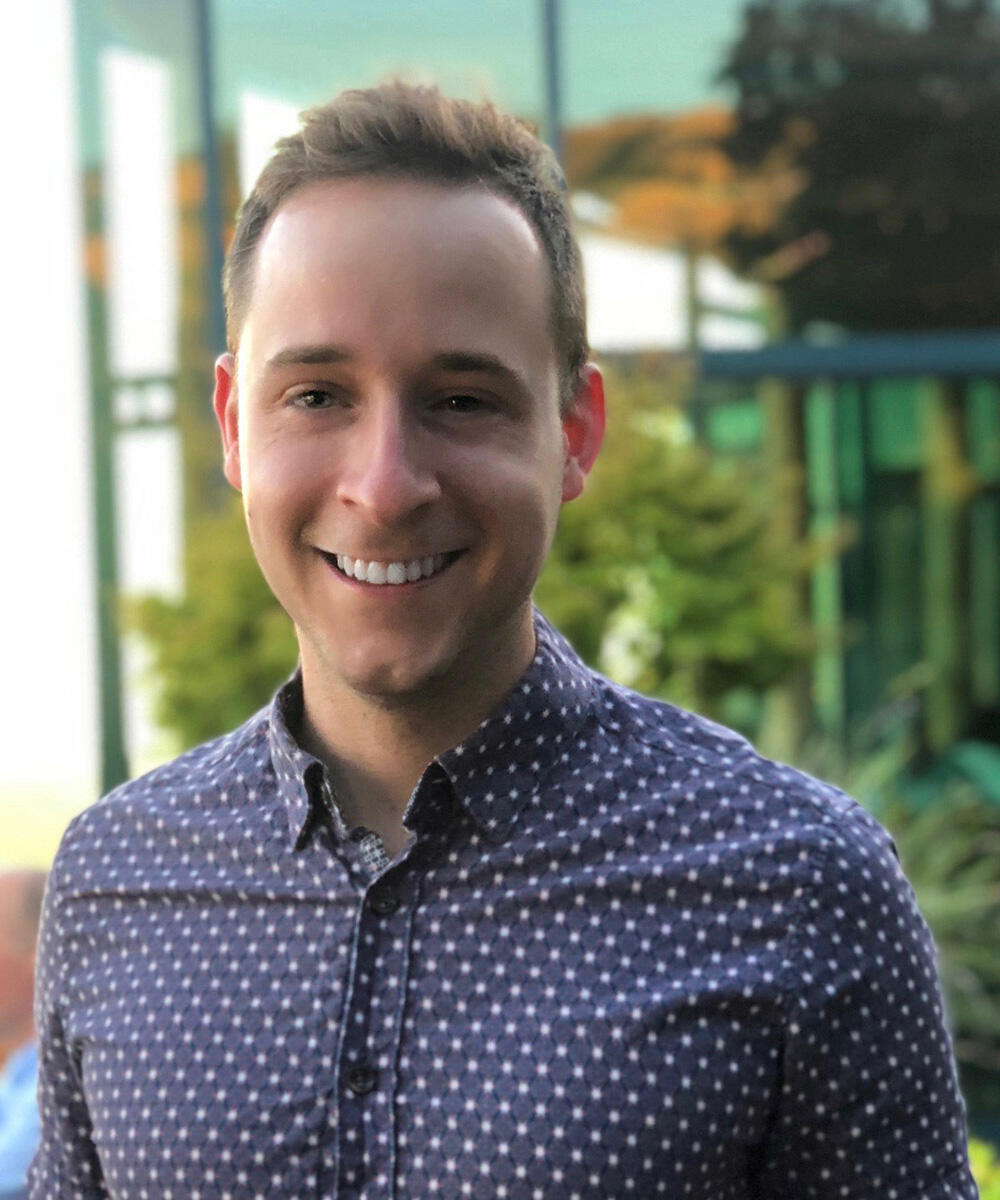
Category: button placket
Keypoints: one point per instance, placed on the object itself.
(367, 1077)
(361, 1079)
(383, 900)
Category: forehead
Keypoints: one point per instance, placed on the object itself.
(467, 214)
(413, 255)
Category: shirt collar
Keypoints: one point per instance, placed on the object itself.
(301, 778)
(497, 769)
(494, 772)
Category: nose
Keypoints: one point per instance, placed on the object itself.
(387, 471)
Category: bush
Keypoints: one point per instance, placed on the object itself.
(669, 573)
(220, 651)
(951, 854)
(985, 1169)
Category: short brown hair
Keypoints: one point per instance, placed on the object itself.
(410, 131)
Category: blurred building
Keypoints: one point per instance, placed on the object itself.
(898, 438)
(645, 298)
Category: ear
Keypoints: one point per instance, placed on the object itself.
(583, 431)
(227, 414)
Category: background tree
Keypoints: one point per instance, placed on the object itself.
(887, 115)
(670, 179)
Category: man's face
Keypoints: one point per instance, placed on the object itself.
(393, 412)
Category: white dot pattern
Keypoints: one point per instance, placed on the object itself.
(621, 956)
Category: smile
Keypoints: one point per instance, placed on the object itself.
(391, 573)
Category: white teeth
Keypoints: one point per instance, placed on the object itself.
(380, 573)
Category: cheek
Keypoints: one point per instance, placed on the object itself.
(281, 476)
(519, 501)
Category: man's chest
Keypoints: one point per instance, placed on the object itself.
(449, 1033)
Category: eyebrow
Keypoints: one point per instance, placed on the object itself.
(323, 354)
(486, 364)
(310, 355)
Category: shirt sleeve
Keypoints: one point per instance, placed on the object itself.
(66, 1166)
(869, 1106)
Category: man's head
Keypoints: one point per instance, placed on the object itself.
(401, 413)
(20, 907)
(409, 132)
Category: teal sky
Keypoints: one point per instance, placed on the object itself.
(618, 56)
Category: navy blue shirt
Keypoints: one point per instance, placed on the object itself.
(622, 955)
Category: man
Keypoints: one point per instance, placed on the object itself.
(20, 906)
(455, 916)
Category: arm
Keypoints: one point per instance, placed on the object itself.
(870, 1106)
(66, 1166)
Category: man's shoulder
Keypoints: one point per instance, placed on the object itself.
(199, 779)
(680, 757)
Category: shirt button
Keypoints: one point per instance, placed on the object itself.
(361, 1080)
(383, 901)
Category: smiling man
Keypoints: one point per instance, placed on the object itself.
(403, 435)
(455, 916)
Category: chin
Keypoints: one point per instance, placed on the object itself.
(391, 686)
(391, 679)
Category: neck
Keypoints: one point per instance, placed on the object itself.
(376, 748)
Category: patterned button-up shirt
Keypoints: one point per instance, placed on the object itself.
(622, 955)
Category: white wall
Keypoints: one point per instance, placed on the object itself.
(46, 619)
(49, 759)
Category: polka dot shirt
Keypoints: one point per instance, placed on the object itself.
(622, 955)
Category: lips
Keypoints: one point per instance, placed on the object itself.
(390, 573)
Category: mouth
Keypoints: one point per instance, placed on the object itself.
(391, 574)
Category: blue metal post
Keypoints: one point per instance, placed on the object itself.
(213, 187)
(553, 80)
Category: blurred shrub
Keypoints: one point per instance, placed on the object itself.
(985, 1169)
(951, 855)
(220, 651)
(949, 846)
(669, 573)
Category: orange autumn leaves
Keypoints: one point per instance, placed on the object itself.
(672, 181)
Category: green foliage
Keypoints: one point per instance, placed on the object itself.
(669, 573)
(985, 1169)
(949, 847)
(221, 650)
(951, 855)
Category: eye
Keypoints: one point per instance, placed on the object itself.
(315, 398)
(462, 402)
